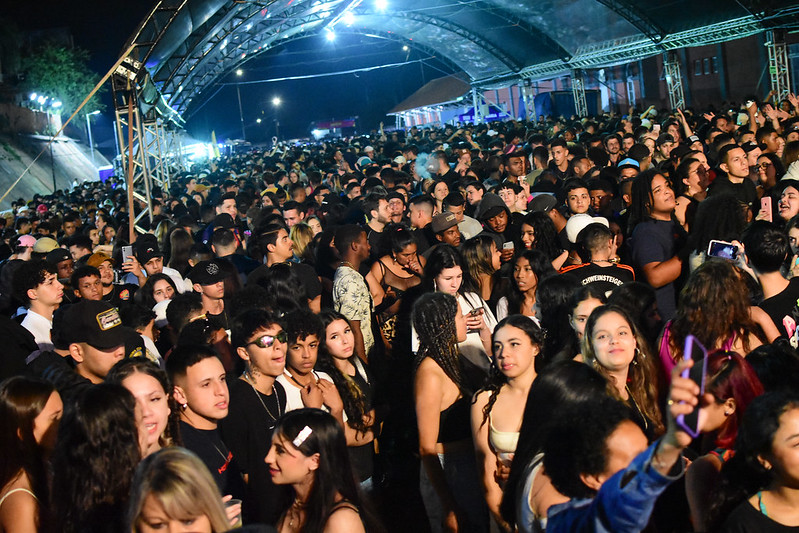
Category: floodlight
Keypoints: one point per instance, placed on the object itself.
(349, 18)
(405, 48)
(276, 101)
(258, 120)
(33, 96)
(381, 5)
(330, 36)
(56, 104)
(239, 72)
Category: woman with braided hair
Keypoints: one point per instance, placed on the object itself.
(449, 480)
(498, 408)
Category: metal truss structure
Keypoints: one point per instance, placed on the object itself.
(578, 90)
(673, 75)
(778, 64)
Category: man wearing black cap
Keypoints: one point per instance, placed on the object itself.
(496, 219)
(664, 144)
(96, 338)
(62, 260)
(208, 279)
(149, 261)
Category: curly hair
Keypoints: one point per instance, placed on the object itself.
(497, 379)
(541, 266)
(95, 456)
(545, 234)
(642, 377)
(434, 321)
(351, 394)
(714, 306)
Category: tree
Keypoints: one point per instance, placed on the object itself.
(63, 74)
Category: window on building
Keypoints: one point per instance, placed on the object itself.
(707, 65)
(697, 67)
(715, 61)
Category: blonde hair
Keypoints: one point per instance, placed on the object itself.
(182, 484)
(301, 235)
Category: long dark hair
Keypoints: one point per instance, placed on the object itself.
(334, 475)
(555, 389)
(141, 365)
(744, 474)
(546, 236)
(434, 320)
(95, 456)
(351, 394)
(496, 378)
(22, 399)
(541, 266)
(441, 257)
(144, 295)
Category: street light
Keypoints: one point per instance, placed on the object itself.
(276, 101)
(239, 73)
(89, 130)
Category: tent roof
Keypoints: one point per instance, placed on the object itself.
(438, 91)
(187, 45)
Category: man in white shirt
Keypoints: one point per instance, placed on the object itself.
(36, 285)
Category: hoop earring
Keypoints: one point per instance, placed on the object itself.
(637, 355)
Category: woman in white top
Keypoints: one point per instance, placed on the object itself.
(444, 272)
(528, 493)
(497, 409)
(30, 410)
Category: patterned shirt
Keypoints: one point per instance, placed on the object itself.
(352, 299)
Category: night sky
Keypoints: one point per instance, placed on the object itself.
(102, 27)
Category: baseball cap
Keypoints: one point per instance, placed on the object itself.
(97, 259)
(94, 322)
(577, 223)
(207, 272)
(664, 138)
(26, 240)
(57, 255)
(146, 250)
(45, 245)
(443, 221)
(629, 163)
(543, 202)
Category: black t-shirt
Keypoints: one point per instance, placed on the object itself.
(656, 241)
(783, 307)
(247, 431)
(362, 457)
(306, 273)
(747, 519)
(606, 278)
(120, 294)
(208, 446)
(745, 192)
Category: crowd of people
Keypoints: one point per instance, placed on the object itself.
(471, 328)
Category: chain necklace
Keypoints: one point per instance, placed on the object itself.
(640, 413)
(250, 381)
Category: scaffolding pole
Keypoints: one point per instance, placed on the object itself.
(130, 132)
(477, 102)
(578, 90)
(671, 71)
(778, 64)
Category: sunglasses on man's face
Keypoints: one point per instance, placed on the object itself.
(266, 341)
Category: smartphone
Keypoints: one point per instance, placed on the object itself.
(723, 249)
(765, 204)
(656, 128)
(508, 245)
(698, 373)
(127, 251)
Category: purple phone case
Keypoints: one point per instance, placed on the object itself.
(687, 373)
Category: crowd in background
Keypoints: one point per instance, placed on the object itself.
(468, 328)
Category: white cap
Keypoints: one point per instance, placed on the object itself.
(577, 223)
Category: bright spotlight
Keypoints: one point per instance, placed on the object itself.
(405, 48)
(349, 18)
(381, 5)
(330, 36)
(258, 120)
(56, 104)
(239, 72)
(276, 101)
(34, 96)
(41, 99)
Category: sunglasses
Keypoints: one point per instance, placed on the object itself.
(266, 341)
